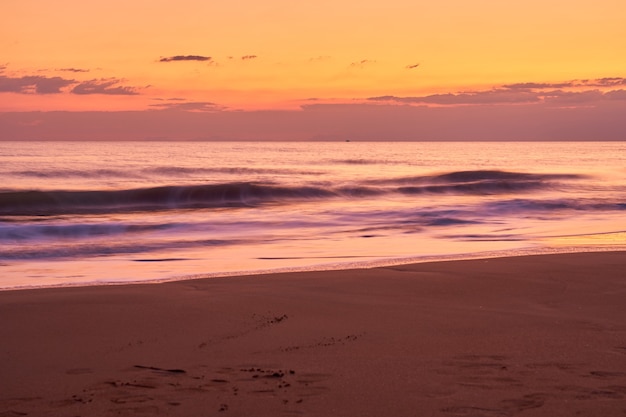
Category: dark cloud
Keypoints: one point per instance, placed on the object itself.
(246, 57)
(581, 97)
(616, 95)
(73, 70)
(598, 82)
(169, 99)
(412, 66)
(105, 86)
(572, 97)
(610, 82)
(33, 84)
(362, 63)
(498, 96)
(320, 58)
(354, 121)
(192, 106)
(564, 93)
(37, 84)
(185, 58)
(534, 86)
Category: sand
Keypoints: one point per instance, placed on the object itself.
(531, 336)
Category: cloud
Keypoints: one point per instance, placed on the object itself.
(598, 82)
(412, 66)
(246, 57)
(185, 58)
(611, 81)
(320, 58)
(169, 99)
(572, 97)
(616, 95)
(73, 70)
(33, 84)
(192, 106)
(496, 96)
(563, 93)
(534, 86)
(104, 86)
(38, 84)
(362, 64)
(354, 121)
(580, 97)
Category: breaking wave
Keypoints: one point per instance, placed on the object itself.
(243, 194)
(149, 199)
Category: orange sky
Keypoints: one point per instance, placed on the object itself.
(198, 55)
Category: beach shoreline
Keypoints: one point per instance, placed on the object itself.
(584, 246)
(538, 335)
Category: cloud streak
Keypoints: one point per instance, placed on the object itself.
(362, 63)
(564, 93)
(178, 58)
(192, 106)
(73, 70)
(508, 97)
(105, 86)
(612, 81)
(36, 84)
(321, 58)
(599, 82)
(482, 97)
(354, 121)
(33, 84)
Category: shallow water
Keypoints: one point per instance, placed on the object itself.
(112, 212)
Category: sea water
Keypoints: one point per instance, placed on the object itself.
(84, 213)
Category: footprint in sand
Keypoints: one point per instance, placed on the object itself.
(145, 389)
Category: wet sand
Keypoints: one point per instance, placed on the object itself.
(531, 336)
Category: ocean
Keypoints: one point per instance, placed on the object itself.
(87, 213)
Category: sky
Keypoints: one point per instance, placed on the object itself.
(313, 70)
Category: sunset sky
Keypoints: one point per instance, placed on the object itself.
(277, 69)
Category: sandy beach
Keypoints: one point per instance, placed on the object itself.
(532, 336)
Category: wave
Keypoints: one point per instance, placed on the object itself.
(75, 173)
(16, 232)
(188, 171)
(478, 176)
(163, 171)
(553, 205)
(78, 250)
(358, 161)
(477, 182)
(150, 199)
(495, 175)
(246, 194)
